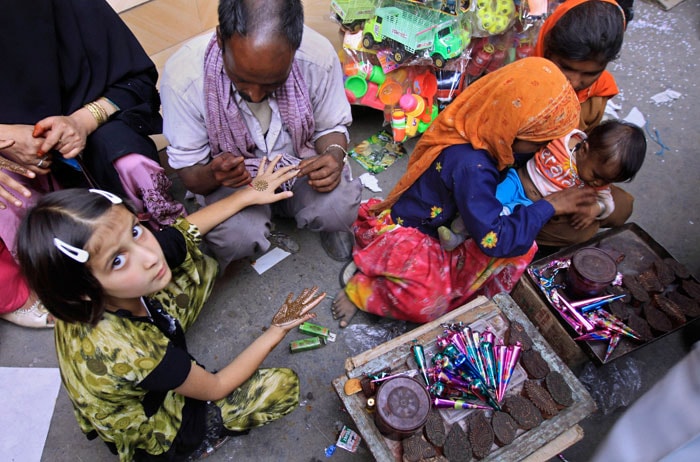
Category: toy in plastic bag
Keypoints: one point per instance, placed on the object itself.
(533, 9)
(377, 152)
(352, 14)
(415, 34)
(495, 16)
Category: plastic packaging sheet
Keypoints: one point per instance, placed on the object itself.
(363, 337)
(614, 385)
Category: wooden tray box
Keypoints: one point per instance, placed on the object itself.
(539, 444)
(639, 251)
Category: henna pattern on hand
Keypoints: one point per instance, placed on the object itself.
(292, 310)
(11, 166)
(259, 185)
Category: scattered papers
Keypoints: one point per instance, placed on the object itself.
(370, 182)
(269, 260)
(611, 109)
(27, 399)
(636, 117)
(665, 96)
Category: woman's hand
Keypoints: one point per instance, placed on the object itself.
(294, 312)
(23, 148)
(9, 184)
(572, 200)
(65, 134)
(262, 189)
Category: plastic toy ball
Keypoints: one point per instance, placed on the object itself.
(506, 7)
(495, 16)
(499, 25)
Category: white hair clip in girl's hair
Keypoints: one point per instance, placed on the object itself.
(114, 199)
(79, 255)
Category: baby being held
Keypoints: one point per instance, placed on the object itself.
(612, 153)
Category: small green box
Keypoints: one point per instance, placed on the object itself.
(317, 331)
(310, 343)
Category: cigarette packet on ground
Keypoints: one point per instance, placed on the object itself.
(309, 343)
(317, 331)
(348, 439)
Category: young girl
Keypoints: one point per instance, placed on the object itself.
(613, 153)
(123, 298)
(581, 37)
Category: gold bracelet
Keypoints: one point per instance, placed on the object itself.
(103, 112)
(98, 112)
(334, 145)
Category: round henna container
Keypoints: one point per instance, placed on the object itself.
(590, 272)
(402, 407)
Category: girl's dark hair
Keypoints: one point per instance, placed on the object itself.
(66, 287)
(622, 142)
(244, 17)
(591, 31)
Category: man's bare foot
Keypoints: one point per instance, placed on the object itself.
(343, 309)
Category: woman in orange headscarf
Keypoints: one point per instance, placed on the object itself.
(403, 272)
(581, 37)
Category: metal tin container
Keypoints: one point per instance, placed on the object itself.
(402, 406)
(590, 272)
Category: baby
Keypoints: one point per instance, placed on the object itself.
(612, 153)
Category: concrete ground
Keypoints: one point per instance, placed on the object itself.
(660, 52)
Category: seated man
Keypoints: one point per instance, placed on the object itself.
(258, 88)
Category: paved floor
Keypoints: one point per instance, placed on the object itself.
(660, 52)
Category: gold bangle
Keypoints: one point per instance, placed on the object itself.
(103, 112)
(334, 145)
(98, 112)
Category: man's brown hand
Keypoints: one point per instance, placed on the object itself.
(323, 171)
(229, 170)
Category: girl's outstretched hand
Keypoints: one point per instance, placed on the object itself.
(262, 188)
(294, 312)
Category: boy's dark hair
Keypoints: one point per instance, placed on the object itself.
(244, 17)
(591, 31)
(66, 287)
(619, 141)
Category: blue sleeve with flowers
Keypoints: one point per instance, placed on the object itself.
(463, 181)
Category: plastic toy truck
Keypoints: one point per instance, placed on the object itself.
(408, 31)
(352, 13)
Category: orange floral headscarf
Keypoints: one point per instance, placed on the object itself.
(605, 85)
(529, 99)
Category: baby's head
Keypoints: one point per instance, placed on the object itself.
(613, 153)
(71, 245)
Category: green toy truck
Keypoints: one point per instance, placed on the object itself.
(413, 30)
(352, 13)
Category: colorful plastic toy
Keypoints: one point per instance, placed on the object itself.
(410, 30)
(449, 85)
(398, 125)
(481, 57)
(495, 15)
(352, 13)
